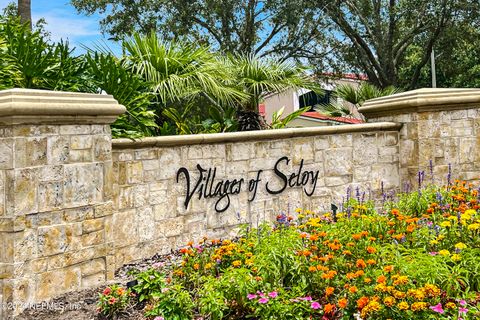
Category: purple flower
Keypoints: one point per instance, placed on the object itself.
(251, 296)
(315, 305)
(273, 294)
(437, 308)
(462, 310)
(263, 300)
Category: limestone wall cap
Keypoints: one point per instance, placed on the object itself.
(42, 106)
(251, 135)
(422, 100)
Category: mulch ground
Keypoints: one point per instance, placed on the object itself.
(82, 305)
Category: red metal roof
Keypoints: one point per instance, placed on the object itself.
(316, 115)
(352, 76)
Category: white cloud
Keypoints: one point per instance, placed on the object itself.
(64, 25)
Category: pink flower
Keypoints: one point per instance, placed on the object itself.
(306, 298)
(159, 318)
(263, 300)
(438, 308)
(462, 310)
(251, 296)
(433, 253)
(315, 305)
(463, 303)
(273, 294)
(157, 265)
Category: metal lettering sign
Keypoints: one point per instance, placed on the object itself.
(206, 185)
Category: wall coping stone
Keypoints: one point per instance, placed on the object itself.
(251, 135)
(32, 106)
(422, 100)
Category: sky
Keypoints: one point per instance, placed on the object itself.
(63, 22)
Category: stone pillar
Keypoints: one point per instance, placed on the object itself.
(55, 193)
(439, 125)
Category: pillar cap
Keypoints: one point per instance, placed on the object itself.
(32, 106)
(422, 100)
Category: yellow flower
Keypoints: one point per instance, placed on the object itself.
(473, 226)
(440, 237)
(456, 257)
(418, 306)
(444, 252)
(400, 280)
(433, 242)
(470, 212)
(450, 305)
(399, 294)
(208, 266)
(389, 301)
(446, 224)
(460, 246)
(237, 263)
(403, 305)
(452, 218)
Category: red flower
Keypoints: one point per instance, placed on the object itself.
(107, 291)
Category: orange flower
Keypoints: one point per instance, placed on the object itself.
(313, 237)
(371, 249)
(395, 212)
(367, 280)
(359, 273)
(381, 279)
(371, 262)
(347, 252)
(303, 235)
(353, 289)
(361, 264)
(190, 243)
(329, 291)
(196, 266)
(312, 269)
(411, 228)
(329, 274)
(328, 308)
(356, 236)
(388, 268)
(362, 302)
(342, 303)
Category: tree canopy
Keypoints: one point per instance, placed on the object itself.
(286, 28)
(388, 40)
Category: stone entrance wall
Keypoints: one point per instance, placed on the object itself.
(75, 205)
(149, 203)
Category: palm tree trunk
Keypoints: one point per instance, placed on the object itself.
(25, 12)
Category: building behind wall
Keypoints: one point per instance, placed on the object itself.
(292, 100)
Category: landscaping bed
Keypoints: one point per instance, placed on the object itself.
(417, 257)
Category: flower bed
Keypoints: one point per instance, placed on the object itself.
(417, 258)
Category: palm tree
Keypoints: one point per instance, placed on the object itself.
(256, 77)
(179, 71)
(356, 97)
(25, 12)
